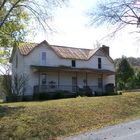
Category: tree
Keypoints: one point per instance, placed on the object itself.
(15, 17)
(117, 12)
(137, 78)
(125, 74)
(40, 10)
(12, 87)
(12, 27)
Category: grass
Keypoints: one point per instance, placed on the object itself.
(58, 118)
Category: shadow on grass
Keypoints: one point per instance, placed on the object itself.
(10, 110)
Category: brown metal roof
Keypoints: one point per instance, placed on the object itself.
(25, 48)
(73, 53)
(64, 52)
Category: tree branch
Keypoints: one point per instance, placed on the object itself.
(2, 5)
(5, 18)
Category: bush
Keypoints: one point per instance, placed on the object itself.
(81, 93)
(99, 93)
(112, 93)
(85, 91)
(63, 94)
(58, 95)
(13, 98)
(52, 95)
(27, 98)
(44, 96)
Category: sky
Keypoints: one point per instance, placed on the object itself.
(72, 29)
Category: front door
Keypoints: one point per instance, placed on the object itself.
(43, 82)
(43, 79)
(74, 84)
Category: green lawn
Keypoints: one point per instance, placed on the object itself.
(58, 118)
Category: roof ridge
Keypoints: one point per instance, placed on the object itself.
(71, 47)
(29, 42)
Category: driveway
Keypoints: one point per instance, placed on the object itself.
(125, 131)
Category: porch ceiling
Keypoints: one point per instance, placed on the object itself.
(37, 68)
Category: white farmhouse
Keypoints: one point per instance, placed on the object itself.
(51, 68)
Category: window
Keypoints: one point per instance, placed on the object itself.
(73, 63)
(99, 63)
(100, 82)
(43, 58)
(43, 79)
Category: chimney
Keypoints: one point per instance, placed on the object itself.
(105, 49)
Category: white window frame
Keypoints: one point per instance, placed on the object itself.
(43, 61)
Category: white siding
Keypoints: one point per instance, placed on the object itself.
(20, 67)
(110, 79)
(54, 60)
(34, 58)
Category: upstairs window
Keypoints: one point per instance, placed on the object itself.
(43, 58)
(73, 63)
(99, 63)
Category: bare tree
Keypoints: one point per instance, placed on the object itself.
(38, 10)
(12, 85)
(19, 18)
(116, 12)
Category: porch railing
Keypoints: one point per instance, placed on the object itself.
(69, 88)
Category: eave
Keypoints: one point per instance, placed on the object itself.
(37, 68)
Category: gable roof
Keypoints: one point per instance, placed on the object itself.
(26, 48)
(73, 53)
(61, 51)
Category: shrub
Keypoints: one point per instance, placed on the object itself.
(13, 98)
(59, 95)
(44, 96)
(52, 95)
(99, 93)
(112, 93)
(85, 91)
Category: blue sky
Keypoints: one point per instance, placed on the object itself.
(71, 23)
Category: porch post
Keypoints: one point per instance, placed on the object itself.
(39, 81)
(76, 81)
(86, 79)
(102, 83)
(58, 79)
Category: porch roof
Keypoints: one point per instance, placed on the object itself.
(71, 69)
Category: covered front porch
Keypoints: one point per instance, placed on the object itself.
(62, 78)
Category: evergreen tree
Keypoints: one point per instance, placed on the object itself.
(125, 74)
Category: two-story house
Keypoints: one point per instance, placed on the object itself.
(51, 68)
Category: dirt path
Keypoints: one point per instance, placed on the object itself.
(125, 131)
